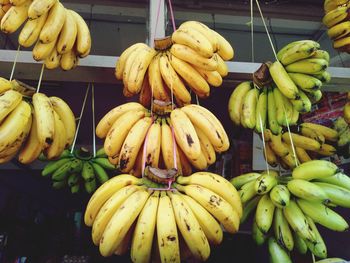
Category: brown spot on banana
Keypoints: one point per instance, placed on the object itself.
(189, 140)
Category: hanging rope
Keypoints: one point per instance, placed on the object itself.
(290, 136)
(93, 119)
(156, 26)
(15, 62)
(40, 78)
(172, 15)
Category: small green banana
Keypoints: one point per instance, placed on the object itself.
(283, 234)
(90, 186)
(62, 172)
(277, 253)
(258, 236)
(75, 188)
(76, 166)
(241, 180)
(299, 244)
(101, 153)
(73, 179)
(53, 166)
(104, 163)
(247, 191)
(317, 248)
(264, 213)
(280, 196)
(339, 179)
(265, 183)
(249, 207)
(59, 184)
(336, 194)
(88, 172)
(100, 173)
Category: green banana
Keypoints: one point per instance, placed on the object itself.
(258, 236)
(297, 50)
(62, 172)
(65, 154)
(247, 192)
(308, 66)
(303, 104)
(265, 183)
(271, 113)
(104, 163)
(101, 153)
(264, 213)
(277, 253)
(76, 166)
(299, 244)
(336, 194)
(261, 111)
(321, 54)
(100, 173)
(73, 179)
(249, 207)
(88, 172)
(295, 117)
(75, 188)
(339, 179)
(280, 196)
(58, 184)
(323, 215)
(306, 82)
(344, 138)
(315, 169)
(307, 190)
(340, 125)
(324, 76)
(317, 248)
(315, 96)
(90, 186)
(242, 179)
(283, 234)
(53, 166)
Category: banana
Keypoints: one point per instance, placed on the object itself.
(277, 253)
(280, 196)
(132, 144)
(4, 8)
(236, 101)
(225, 49)
(200, 163)
(217, 206)
(185, 134)
(104, 192)
(53, 24)
(248, 118)
(42, 51)
(100, 173)
(339, 179)
(307, 190)
(172, 80)
(299, 244)
(321, 54)
(284, 107)
(120, 130)
(87, 172)
(297, 50)
(145, 93)
(15, 17)
(209, 225)
(295, 117)
(189, 227)
(327, 150)
(301, 141)
(108, 210)
(68, 34)
(339, 31)
(59, 139)
(325, 76)
(53, 61)
(83, 41)
(142, 239)
(331, 260)
(249, 207)
(282, 231)
(168, 239)
(153, 145)
(329, 134)
(265, 183)
(283, 81)
(62, 172)
(313, 134)
(317, 248)
(217, 184)
(306, 82)
(277, 146)
(212, 77)
(9, 100)
(103, 162)
(346, 112)
(222, 66)
(270, 156)
(308, 66)
(121, 221)
(336, 194)
(330, 5)
(90, 186)
(335, 16)
(302, 155)
(185, 164)
(323, 215)
(258, 236)
(271, 113)
(261, 111)
(31, 30)
(68, 60)
(5, 85)
(194, 80)
(298, 222)
(194, 39)
(206, 146)
(39, 8)
(107, 121)
(243, 179)
(342, 44)
(316, 169)
(158, 88)
(264, 213)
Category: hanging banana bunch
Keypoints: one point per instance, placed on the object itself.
(288, 208)
(194, 57)
(32, 125)
(131, 212)
(60, 36)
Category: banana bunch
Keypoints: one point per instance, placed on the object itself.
(60, 35)
(4, 7)
(181, 138)
(337, 21)
(166, 226)
(44, 124)
(193, 57)
(311, 141)
(77, 169)
(289, 208)
(341, 125)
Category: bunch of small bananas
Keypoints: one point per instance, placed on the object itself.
(133, 137)
(193, 56)
(337, 21)
(77, 168)
(46, 124)
(295, 203)
(312, 140)
(60, 35)
(161, 225)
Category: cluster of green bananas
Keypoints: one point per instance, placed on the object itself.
(32, 125)
(292, 206)
(60, 35)
(194, 56)
(337, 21)
(77, 169)
(312, 141)
(160, 225)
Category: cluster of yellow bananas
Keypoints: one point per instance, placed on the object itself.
(60, 35)
(341, 125)
(48, 126)
(293, 205)
(193, 57)
(133, 137)
(309, 143)
(165, 226)
(337, 21)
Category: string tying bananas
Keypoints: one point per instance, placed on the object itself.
(32, 123)
(194, 57)
(77, 169)
(337, 21)
(133, 137)
(60, 35)
(287, 209)
(128, 212)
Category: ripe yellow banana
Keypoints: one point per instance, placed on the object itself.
(53, 24)
(222, 66)
(271, 113)
(301, 141)
(308, 66)
(342, 44)
(83, 41)
(40, 7)
(248, 118)
(316, 169)
(327, 150)
(9, 100)
(236, 101)
(312, 133)
(339, 31)
(31, 31)
(225, 49)
(303, 104)
(42, 51)
(69, 60)
(68, 34)
(5, 85)
(282, 231)
(335, 16)
(145, 93)
(321, 54)
(3, 9)
(330, 5)
(302, 155)
(297, 50)
(261, 111)
(295, 117)
(328, 133)
(53, 61)
(270, 156)
(158, 88)
(212, 77)
(59, 139)
(317, 248)
(277, 146)
(14, 17)
(306, 82)
(206, 146)
(153, 145)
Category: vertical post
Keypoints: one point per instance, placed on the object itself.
(156, 22)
